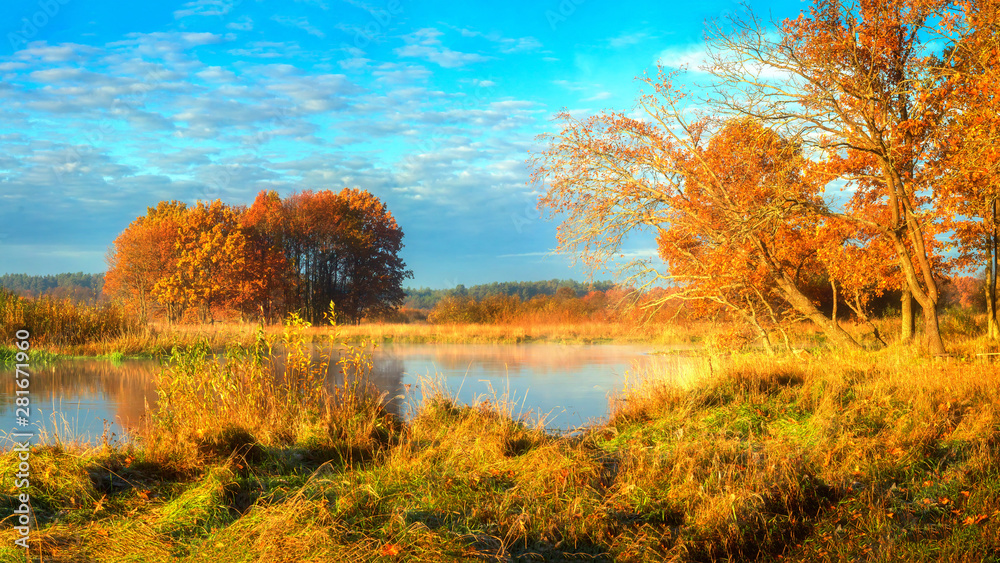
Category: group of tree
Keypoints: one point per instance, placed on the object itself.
(855, 145)
(425, 298)
(295, 254)
(78, 287)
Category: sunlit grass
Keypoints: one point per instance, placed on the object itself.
(814, 455)
(58, 324)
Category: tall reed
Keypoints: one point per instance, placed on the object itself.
(55, 322)
(272, 396)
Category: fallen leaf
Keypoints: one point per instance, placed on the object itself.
(391, 549)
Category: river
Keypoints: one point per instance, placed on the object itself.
(566, 385)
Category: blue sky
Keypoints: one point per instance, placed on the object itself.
(107, 107)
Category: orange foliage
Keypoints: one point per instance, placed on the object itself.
(276, 256)
(341, 247)
(212, 259)
(144, 253)
(732, 203)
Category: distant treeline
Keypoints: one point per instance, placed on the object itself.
(78, 286)
(425, 298)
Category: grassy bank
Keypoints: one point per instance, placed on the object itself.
(158, 340)
(816, 457)
(145, 342)
(63, 328)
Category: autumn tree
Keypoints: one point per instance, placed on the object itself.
(373, 284)
(143, 254)
(856, 85)
(267, 280)
(967, 167)
(341, 247)
(858, 265)
(729, 201)
(211, 262)
(303, 252)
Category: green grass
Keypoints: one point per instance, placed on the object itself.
(8, 356)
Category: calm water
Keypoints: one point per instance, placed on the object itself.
(568, 385)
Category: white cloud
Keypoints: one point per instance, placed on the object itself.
(65, 52)
(400, 74)
(266, 50)
(697, 59)
(598, 97)
(520, 45)
(424, 44)
(628, 39)
(217, 74)
(300, 22)
(205, 8)
(693, 57)
(243, 23)
(504, 44)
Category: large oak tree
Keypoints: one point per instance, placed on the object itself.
(857, 84)
(732, 203)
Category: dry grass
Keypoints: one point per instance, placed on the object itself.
(815, 459)
(816, 456)
(62, 323)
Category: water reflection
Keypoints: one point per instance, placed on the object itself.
(570, 385)
(567, 385)
(74, 399)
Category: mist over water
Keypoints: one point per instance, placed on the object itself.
(566, 385)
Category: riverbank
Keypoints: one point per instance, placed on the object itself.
(818, 457)
(158, 340)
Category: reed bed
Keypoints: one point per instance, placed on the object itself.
(60, 323)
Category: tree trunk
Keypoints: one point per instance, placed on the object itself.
(907, 320)
(803, 305)
(933, 332)
(993, 331)
(142, 305)
(906, 228)
(761, 333)
(833, 316)
(926, 295)
(991, 313)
